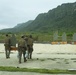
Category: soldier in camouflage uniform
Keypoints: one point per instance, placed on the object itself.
(30, 46)
(22, 47)
(7, 46)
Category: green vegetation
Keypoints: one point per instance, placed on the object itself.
(40, 37)
(55, 71)
(61, 18)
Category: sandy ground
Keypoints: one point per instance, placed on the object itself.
(44, 56)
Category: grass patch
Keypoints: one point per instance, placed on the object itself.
(55, 71)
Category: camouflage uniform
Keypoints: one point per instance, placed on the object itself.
(30, 46)
(7, 46)
(22, 49)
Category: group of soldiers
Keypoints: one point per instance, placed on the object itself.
(25, 45)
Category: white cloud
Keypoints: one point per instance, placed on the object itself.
(4, 26)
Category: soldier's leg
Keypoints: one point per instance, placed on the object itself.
(24, 52)
(6, 53)
(28, 52)
(31, 50)
(30, 55)
(20, 55)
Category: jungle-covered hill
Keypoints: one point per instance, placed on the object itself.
(61, 18)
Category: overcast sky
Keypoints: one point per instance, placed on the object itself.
(13, 12)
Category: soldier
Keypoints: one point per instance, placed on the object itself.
(22, 49)
(30, 46)
(7, 46)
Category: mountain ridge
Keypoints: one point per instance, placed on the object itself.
(61, 18)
